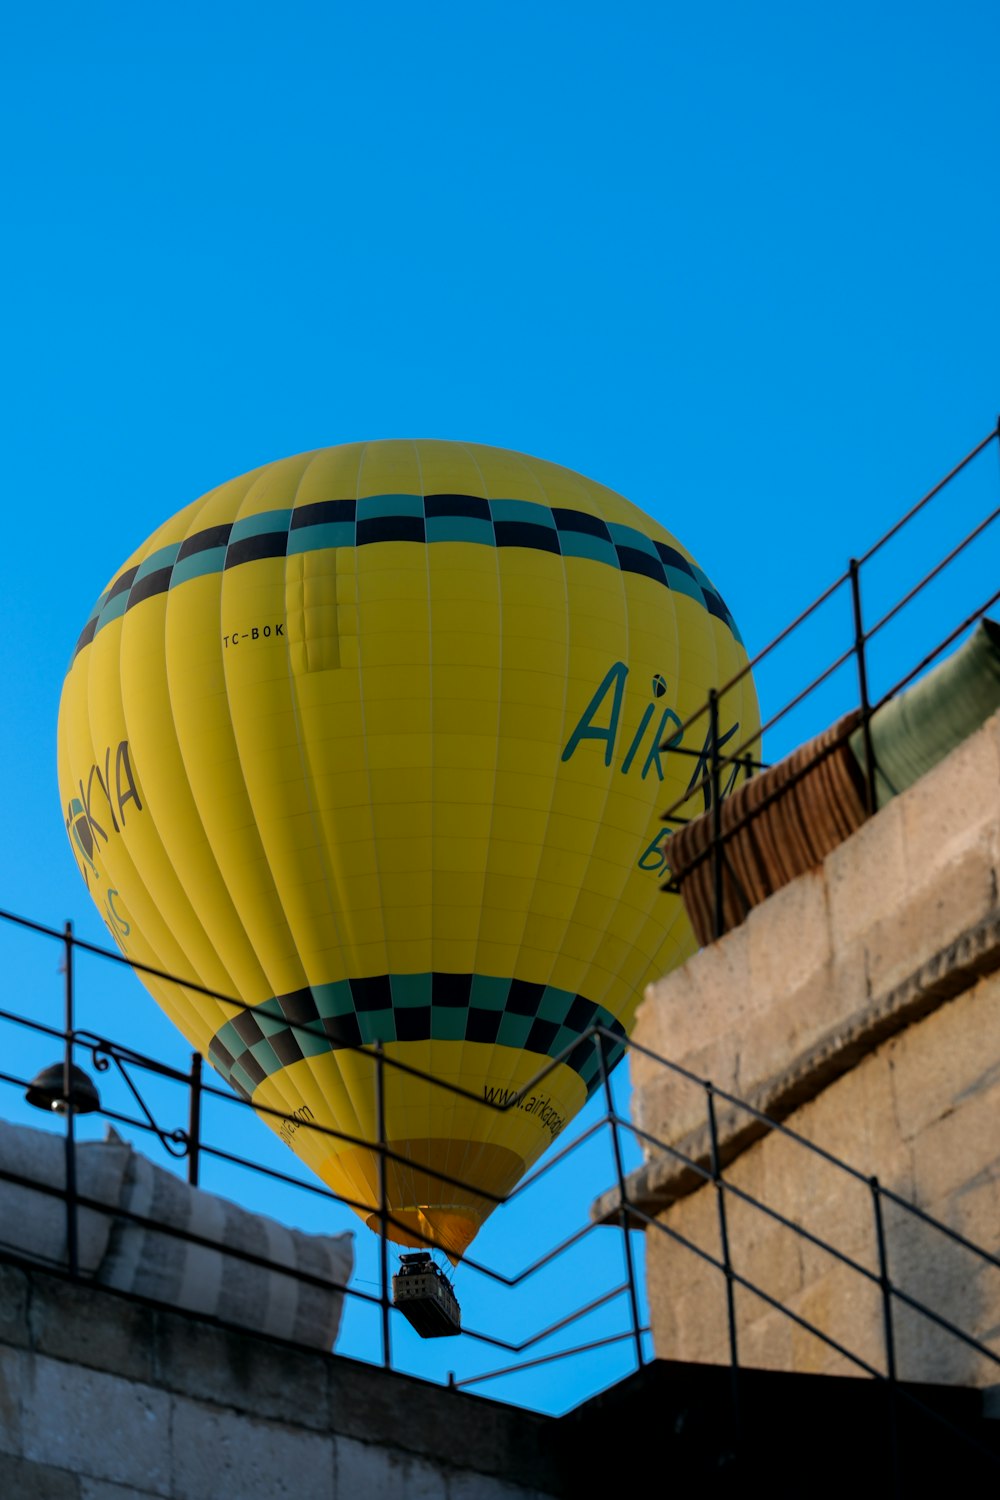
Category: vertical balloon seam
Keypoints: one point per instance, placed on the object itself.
(553, 957)
(429, 1093)
(223, 890)
(405, 1176)
(656, 900)
(309, 783)
(341, 1064)
(554, 780)
(179, 999)
(331, 1057)
(646, 914)
(507, 1058)
(124, 858)
(428, 1101)
(465, 1168)
(175, 999)
(554, 1075)
(260, 477)
(274, 895)
(349, 1072)
(585, 987)
(280, 1093)
(679, 919)
(611, 980)
(184, 753)
(493, 1127)
(280, 1081)
(597, 995)
(229, 986)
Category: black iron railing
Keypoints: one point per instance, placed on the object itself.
(624, 1293)
(721, 762)
(191, 1144)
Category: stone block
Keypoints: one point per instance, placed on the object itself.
(958, 1146)
(931, 915)
(765, 1342)
(216, 1452)
(82, 1325)
(957, 801)
(852, 1119)
(762, 1250)
(973, 1211)
(465, 1485)
(839, 1004)
(102, 1489)
(235, 1369)
(789, 939)
(686, 1293)
(14, 1307)
(866, 876)
(379, 1473)
(377, 1408)
(700, 1002)
(669, 1107)
(847, 1309)
(943, 1276)
(798, 1022)
(107, 1428)
(675, 1272)
(20, 1479)
(949, 1055)
(695, 1330)
(12, 1367)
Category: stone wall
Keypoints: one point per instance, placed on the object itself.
(103, 1397)
(861, 1005)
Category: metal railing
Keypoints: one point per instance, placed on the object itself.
(719, 761)
(624, 1292)
(191, 1144)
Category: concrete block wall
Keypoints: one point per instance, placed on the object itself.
(107, 1398)
(921, 1113)
(816, 966)
(861, 1004)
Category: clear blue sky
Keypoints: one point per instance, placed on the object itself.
(738, 262)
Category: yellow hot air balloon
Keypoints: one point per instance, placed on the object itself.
(370, 739)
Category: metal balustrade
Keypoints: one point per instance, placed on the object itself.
(624, 1294)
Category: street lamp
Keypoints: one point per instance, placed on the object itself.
(48, 1090)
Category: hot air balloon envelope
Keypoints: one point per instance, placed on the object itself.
(371, 740)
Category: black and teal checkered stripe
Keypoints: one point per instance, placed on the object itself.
(409, 1008)
(406, 518)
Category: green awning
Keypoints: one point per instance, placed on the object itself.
(914, 731)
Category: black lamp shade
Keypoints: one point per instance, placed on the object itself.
(46, 1091)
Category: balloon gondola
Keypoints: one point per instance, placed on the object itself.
(371, 740)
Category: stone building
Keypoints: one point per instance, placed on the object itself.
(859, 1005)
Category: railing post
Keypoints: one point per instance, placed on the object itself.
(887, 1328)
(633, 1293)
(866, 711)
(727, 1264)
(194, 1119)
(383, 1204)
(72, 1237)
(883, 1279)
(713, 735)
